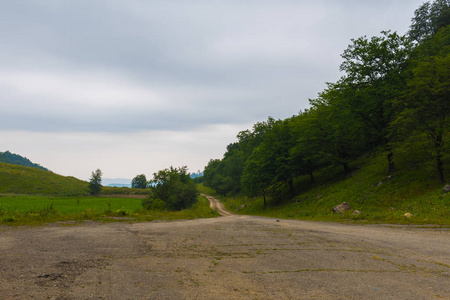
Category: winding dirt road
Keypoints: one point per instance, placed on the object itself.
(231, 257)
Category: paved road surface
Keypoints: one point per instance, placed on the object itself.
(230, 257)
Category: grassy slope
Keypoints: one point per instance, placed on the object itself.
(412, 190)
(15, 179)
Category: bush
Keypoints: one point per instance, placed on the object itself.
(153, 204)
(174, 187)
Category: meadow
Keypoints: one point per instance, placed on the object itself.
(37, 210)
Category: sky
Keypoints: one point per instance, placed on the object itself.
(132, 87)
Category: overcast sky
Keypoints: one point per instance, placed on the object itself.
(132, 87)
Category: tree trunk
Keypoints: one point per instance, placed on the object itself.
(390, 158)
(346, 168)
(291, 187)
(311, 176)
(439, 163)
(264, 196)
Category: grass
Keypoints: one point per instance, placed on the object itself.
(17, 179)
(379, 199)
(38, 210)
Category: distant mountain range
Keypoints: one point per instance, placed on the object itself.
(15, 159)
(124, 182)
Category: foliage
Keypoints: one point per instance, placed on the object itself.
(95, 182)
(393, 97)
(16, 179)
(428, 19)
(173, 187)
(15, 159)
(139, 182)
(38, 210)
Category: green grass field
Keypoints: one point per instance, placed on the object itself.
(37, 210)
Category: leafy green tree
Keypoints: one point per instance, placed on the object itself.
(95, 182)
(258, 174)
(426, 104)
(428, 19)
(174, 187)
(375, 77)
(139, 182)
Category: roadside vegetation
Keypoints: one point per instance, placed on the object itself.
(378, 138)
(38, 210)
(32, 196)
(378, 198)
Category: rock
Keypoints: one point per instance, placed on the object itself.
(392, 208)
(341, 207)
(243, 206)
(356, 212)
(446, 188)
(407, 215)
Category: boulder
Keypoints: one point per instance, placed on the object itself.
(341, 207)
(446, 188)
(407, 215)
(356, 212)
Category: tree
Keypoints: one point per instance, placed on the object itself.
(174, 187)
(375, 78)
(426, 104)
(258, 174)
(95, 182)
(139, 182)
(428, 19)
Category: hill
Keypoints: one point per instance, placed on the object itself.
(414, 190)
(15, 179)
(15, 159)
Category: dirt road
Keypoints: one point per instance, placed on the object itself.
(231, 257)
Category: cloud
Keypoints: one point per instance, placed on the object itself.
(102, 73)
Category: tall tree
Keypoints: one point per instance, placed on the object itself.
(375, 74)
(426, 105)
(139, 182)
(95, 182)
(428, 19)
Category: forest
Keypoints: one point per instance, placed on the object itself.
(393, 99)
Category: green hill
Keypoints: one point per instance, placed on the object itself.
(414, 189)
(15, 159)
(15, 179)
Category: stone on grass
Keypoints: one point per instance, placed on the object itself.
(356, 212)
(446, 188)
(341, 207)
(407, 215)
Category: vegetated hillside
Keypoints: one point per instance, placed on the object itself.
(414, 189)
(15, 159)
(15, 179)
(393, 97)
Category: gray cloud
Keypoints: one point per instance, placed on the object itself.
(133, 66)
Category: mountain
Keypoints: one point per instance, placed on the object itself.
(117, 182)
(195, 175)
(15, 159)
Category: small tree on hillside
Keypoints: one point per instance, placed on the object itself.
(95, 182)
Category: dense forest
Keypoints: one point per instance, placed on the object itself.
(393, 98)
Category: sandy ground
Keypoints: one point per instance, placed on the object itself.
(231, 257)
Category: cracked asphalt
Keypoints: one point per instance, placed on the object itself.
(230, 257)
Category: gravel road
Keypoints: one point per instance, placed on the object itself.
(231, 257)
